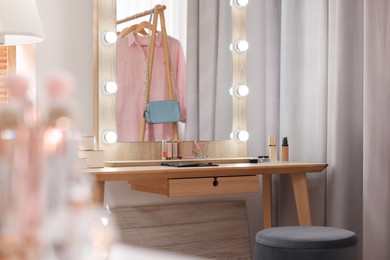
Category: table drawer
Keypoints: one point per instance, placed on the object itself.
(212, 186)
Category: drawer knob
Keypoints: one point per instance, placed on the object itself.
(215, 182)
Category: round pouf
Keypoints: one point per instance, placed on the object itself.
(306, 243)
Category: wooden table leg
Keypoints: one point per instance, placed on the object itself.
(301, 198)
(98, 194)
(267, 200)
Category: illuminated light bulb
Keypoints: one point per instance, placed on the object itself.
(239, 90)
(109, 38)
(241, 46)
(241, 136)
(109, 137)
(240, 3)
(242, 90)
(110, 87)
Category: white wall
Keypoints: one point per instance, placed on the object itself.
(68, 46)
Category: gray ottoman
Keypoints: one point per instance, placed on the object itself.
(306, 243)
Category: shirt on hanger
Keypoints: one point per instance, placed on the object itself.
(131, 68)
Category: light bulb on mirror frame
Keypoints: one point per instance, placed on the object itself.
(239, 46)
(109, 87)
(239, 3)
(109, 38)
(240, 136)
(109, 137)
(239, 91)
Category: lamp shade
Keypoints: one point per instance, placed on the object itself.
(20, 22)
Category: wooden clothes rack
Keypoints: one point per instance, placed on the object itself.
(157, 11)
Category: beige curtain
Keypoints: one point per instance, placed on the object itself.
(376, 141)
(288, 95)
(209, 70)
(321, 77)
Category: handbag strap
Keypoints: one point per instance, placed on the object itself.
(171, 76)
(149, 58)
(147, 82)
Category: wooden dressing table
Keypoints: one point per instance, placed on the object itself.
(229, 177)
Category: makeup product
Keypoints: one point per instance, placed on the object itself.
(266, 159)
(253, 160)
(285, 149)
(180, 150)
(260, 159)
(272, 151)
(163, 149)
(175, 149)
(169, 150)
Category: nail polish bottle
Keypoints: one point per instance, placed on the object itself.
(285, 149)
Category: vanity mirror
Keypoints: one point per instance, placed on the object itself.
(105, 103)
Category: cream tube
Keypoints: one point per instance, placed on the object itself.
(272, 151)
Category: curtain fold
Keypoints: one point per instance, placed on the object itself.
(294, 44)
(209, 70)
(345, 120)
(318, 74)
(376, 141)
(303, 85)
(324, 82)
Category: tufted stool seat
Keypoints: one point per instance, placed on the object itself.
(306, 243)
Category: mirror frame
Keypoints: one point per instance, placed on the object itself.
(104, 20)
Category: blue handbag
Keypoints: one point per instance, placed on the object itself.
(160, 112)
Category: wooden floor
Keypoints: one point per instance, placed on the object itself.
(211, 230)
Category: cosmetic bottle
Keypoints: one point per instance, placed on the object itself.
(175, 149)
(285, 149)
(272, 151)
(163, 150)
(169, 150)
(180, 149)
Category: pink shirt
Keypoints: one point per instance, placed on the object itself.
(131, 75)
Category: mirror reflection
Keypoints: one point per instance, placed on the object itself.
(200, 66)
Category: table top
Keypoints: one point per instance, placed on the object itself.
(222, 170)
